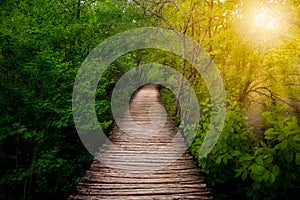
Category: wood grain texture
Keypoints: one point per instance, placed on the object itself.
(145, 162)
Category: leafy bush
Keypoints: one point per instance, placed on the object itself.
(169, 100)
(243, 166)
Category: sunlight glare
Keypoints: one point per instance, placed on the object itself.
(260, 19)
(262, 23)
(265, 18)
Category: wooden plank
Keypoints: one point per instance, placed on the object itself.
(143, 165)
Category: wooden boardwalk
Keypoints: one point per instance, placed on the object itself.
(149, 161)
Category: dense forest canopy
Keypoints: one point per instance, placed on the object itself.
(255, 45)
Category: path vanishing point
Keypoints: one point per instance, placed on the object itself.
(149, 161)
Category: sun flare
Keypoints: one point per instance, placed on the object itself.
(265, 18)
(262, 24)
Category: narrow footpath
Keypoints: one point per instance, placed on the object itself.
(146, 158)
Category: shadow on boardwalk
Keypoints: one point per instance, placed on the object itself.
(149, 161)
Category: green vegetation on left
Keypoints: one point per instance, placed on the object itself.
(42, 45)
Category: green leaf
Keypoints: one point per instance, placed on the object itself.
(250, 193)
(244, 176)
(272, 178)
(2, 136)
(297, 138)
(266, 177)
(281, 137)
(270, 131)
(292, 132)
(275, 170)
(261, 178)
(219, 160)
(260, 160)
(257, 169)
(256, 186)
(246, 158)
(284, 144)
(239, 172)
(297, 159)
(270, 137)
(236, 153)
(289, 156)
(225, 159)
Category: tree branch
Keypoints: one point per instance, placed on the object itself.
(158, 15)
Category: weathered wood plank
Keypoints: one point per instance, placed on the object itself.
(145, 164)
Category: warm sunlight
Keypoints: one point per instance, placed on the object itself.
(265, 18)
(263, 24)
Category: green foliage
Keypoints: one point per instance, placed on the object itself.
(244, 165)
(169, 100)
(42, 45)
(234, 146)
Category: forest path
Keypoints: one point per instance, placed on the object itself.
(149, 161)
